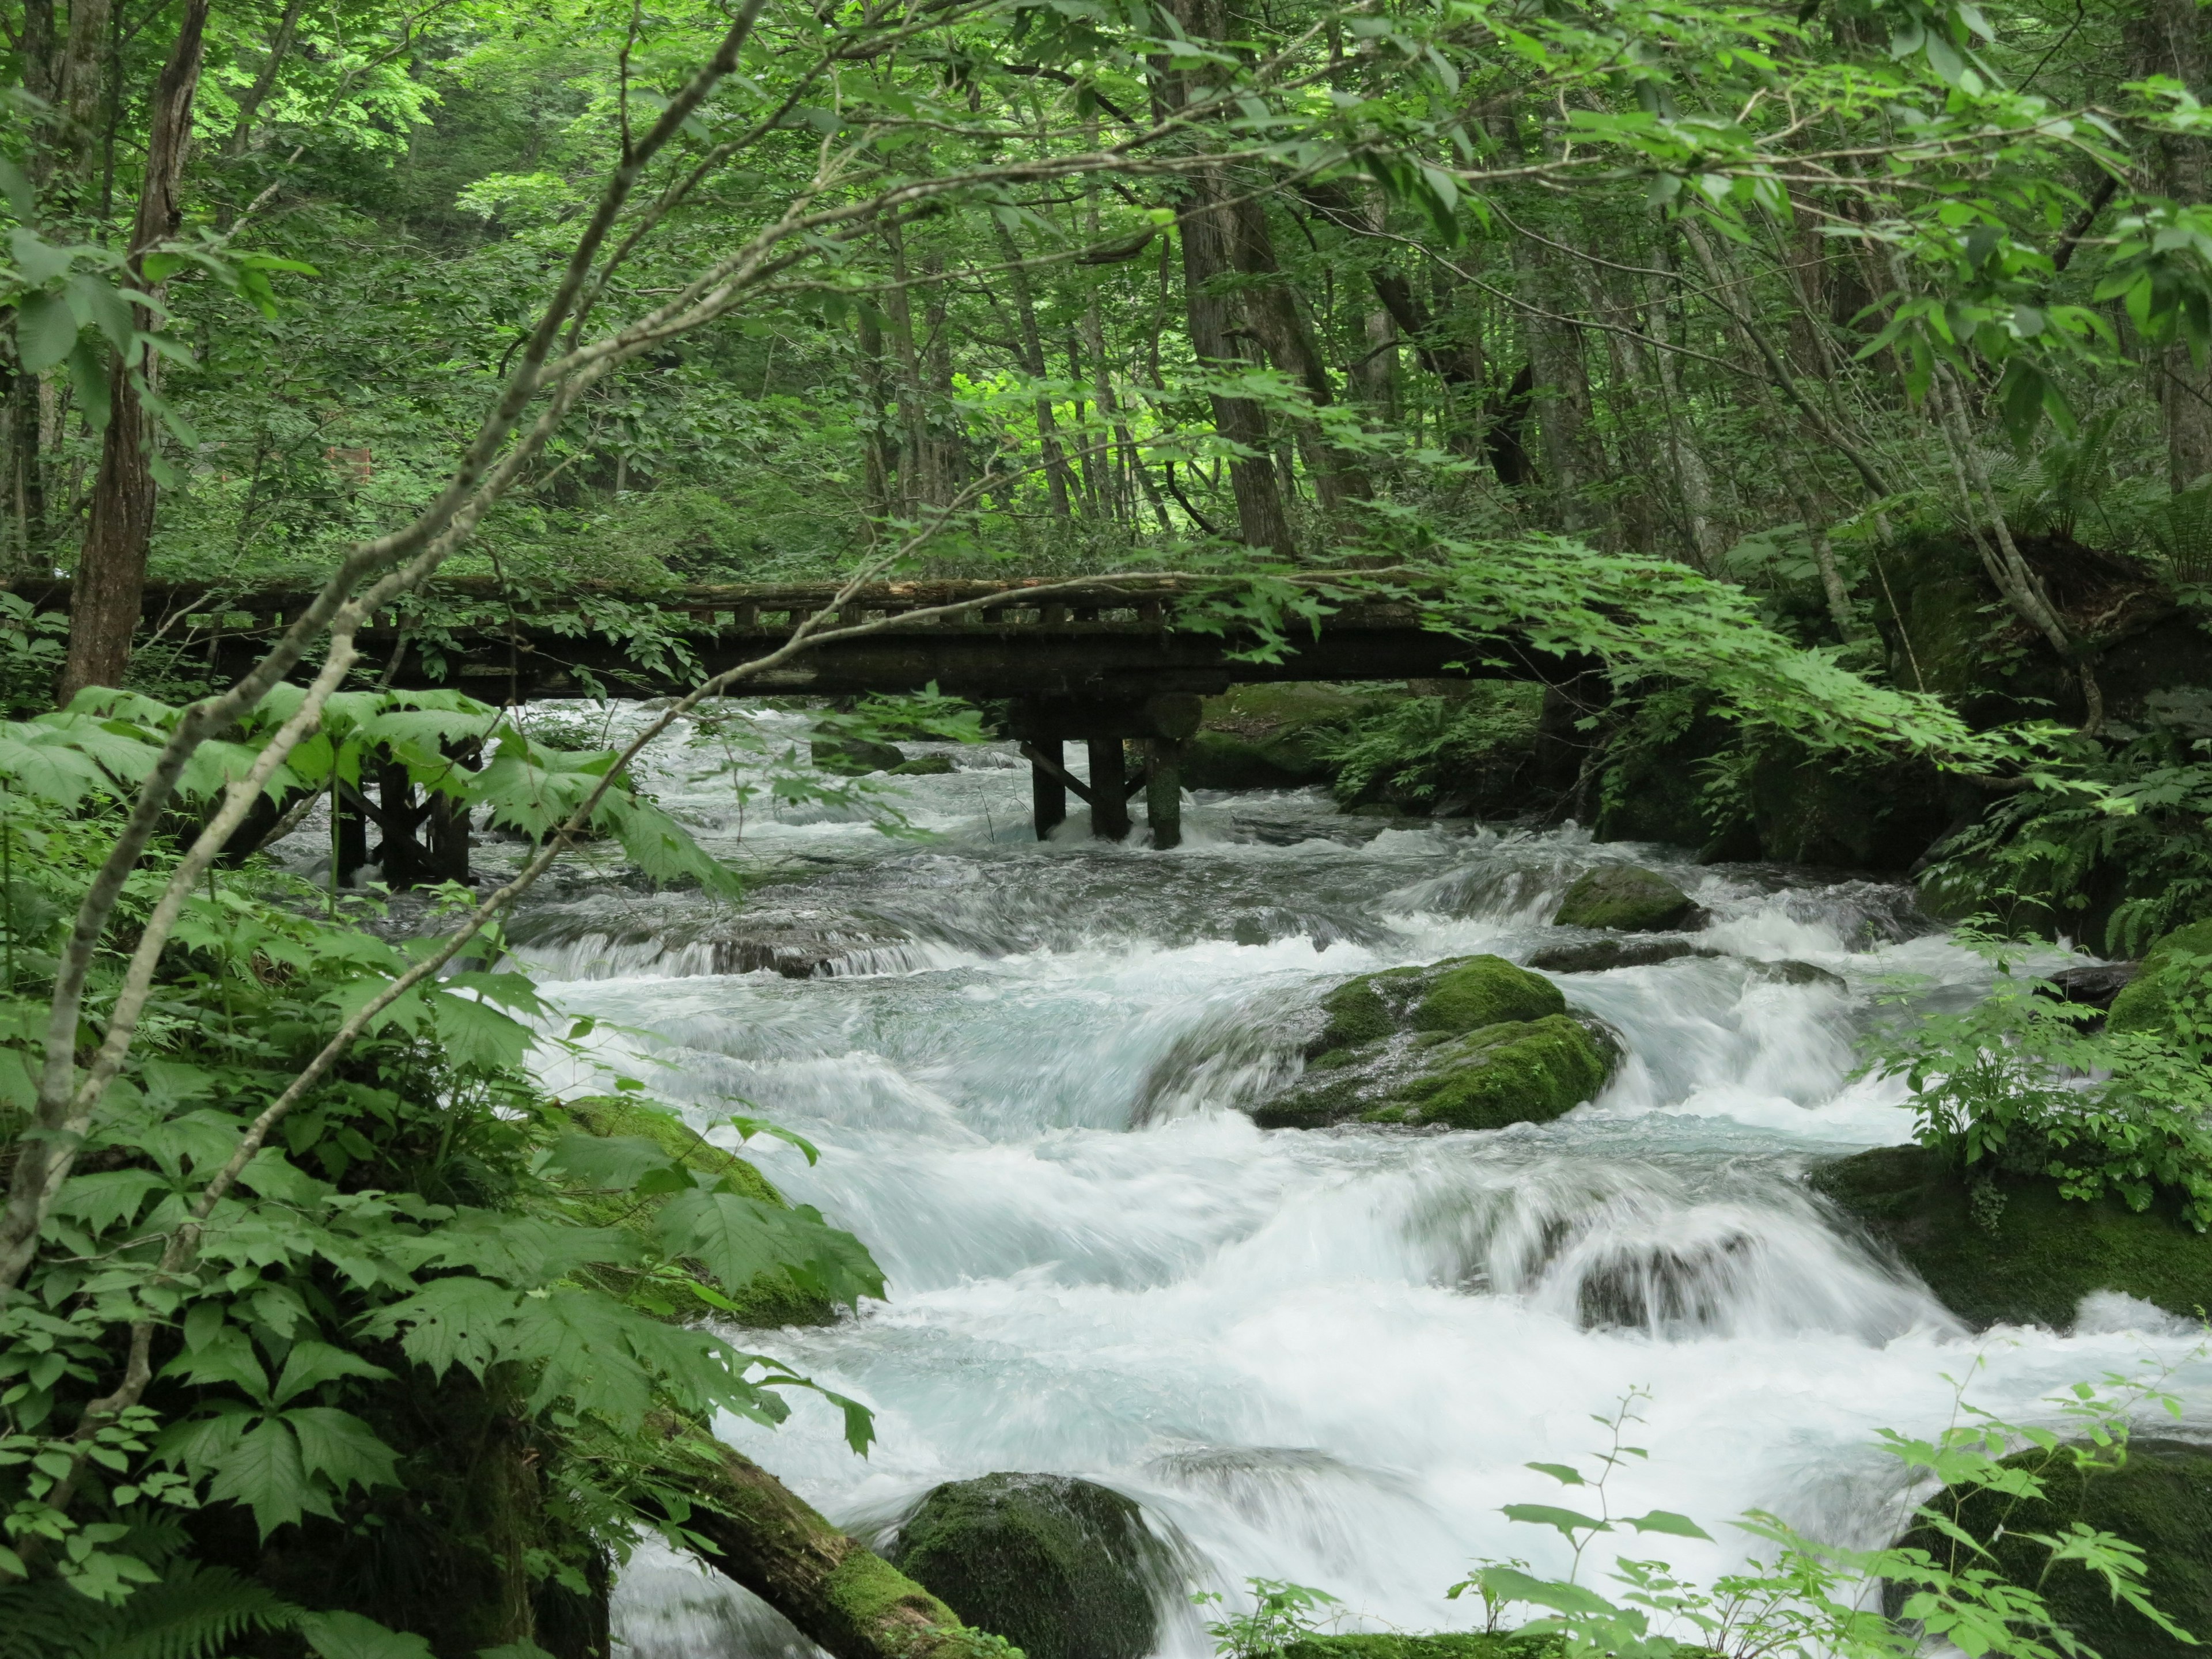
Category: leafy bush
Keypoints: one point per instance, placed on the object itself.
(1423, 747)
(2021, 1085)
(1808, 1599)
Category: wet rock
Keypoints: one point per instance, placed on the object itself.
(2147, 1004)
(2093, 987)
(1376, 809)
(853, 757)
(1058, 1567)
(1625, 898)
(1471, 1044)
(2017, 1252)
(922, 766)
(1597, 955)
(2160, 1500)
(1789, 972)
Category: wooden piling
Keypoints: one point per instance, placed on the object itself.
(1047, 794)
(1110, 802)
(1163, 790)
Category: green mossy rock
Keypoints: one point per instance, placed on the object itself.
(1268, 736)
(854, 758)
(2160, 1500)
(1058, 1567)
(1450, 1644)
(2146, 1003)
(2045, 1254)
(1524, 1072)
(1474, 1043)
(1481, 991)
(1625, 898)
(770, 1302)
(922, 766)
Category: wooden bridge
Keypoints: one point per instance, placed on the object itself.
(1100, 664)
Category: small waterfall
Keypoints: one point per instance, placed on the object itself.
(1321, 1355)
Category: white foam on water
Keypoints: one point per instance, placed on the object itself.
(1324, 1356)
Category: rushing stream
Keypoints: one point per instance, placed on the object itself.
(1316, 1356)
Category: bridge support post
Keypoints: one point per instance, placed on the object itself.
(1047, 794)
(1109, 792)
(1163, 790)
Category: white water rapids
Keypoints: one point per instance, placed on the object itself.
(1322, 1357)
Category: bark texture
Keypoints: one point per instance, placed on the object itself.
(2168, 37)
(837, 1591)
(110, 570)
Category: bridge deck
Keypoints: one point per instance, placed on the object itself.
(1104, 642)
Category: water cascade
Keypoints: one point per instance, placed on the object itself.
(1321, 1355)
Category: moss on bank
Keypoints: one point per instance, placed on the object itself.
(2160, 1500)
(1056, 1565)
(2030, 1261)
(1269, 737)
(771, 1300)
(1474, 1043)
(2146, 1003)
(1454, 1644)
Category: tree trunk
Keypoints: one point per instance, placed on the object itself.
(1032, 343)
(64, 168)
(878, 446)
(2166, 37)
(1208, 237)
(111, 568)
(1274, 311)
(1560, 394)
(279, 47)
(914, 488)
(838, 1592)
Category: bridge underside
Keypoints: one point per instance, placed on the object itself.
(1104, 665)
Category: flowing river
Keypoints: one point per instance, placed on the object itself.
(1323, 1357)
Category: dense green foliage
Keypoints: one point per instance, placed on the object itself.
(1773, 381)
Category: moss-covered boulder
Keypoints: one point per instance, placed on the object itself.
(1449, 1645)
(2146, 1002)
(1059, 1567)
(1625, 898)
(922, 766)
(1268, 736)
(770, 1302)
(854, 758)
(2160, 1500)
(1474, 1043)
(1595, 956)
(2018, 1253)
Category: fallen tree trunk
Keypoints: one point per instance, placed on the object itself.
(750, 1527)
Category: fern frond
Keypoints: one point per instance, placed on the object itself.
(194, 1612)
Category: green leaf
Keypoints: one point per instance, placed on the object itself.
(46, 331)
(610, 1163)
(1564, 1473)
(22, 200)
(264, 1472)
(1666, 1521)
(350, 1636)
(341, 1448)
(88, 375)
(450, 1321)
(313, 1363)
(1544, 1515)
(1510, 1584)
(94, 300)
(474, 1033)
(738, 1239)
